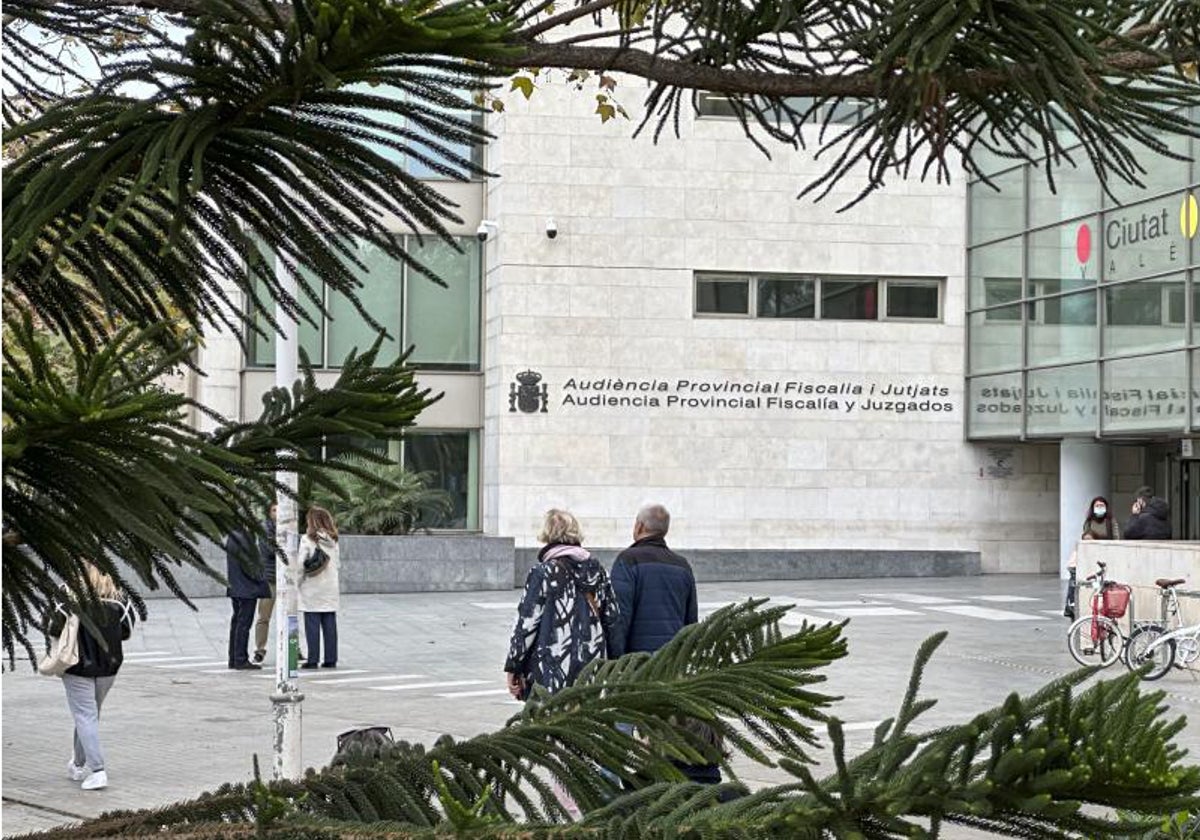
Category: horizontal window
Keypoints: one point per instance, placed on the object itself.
(828, 298)
(1144, 303)
(441, 323)
(846, 111)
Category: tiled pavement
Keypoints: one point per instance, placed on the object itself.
(178, 723)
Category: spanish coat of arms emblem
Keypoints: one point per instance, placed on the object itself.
(526, 395)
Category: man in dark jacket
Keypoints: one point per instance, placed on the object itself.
(655, 586)
(243, 570)
(1151, 518)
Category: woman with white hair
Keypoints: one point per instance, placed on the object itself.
(567, 616)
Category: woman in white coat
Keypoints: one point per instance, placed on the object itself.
(319, 586)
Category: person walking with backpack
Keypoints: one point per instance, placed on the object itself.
(320, 586)
(568, 615)
(88, 682)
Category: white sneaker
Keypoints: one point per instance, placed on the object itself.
(95, 781)
(75, 772)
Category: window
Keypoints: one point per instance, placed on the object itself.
(442, 323)
(850, 300)
(451, 461)
(380, 295)
(999, 291)
(448, 459)
(912, 300)
(845, 111)
(787, 298)
(723, 296)
(419, 160)
(807, 298)
(262, 347)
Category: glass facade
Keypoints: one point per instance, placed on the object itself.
(1082, 307)
(441, 323)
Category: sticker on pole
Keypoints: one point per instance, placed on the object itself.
(293, 646)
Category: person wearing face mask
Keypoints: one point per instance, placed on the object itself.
(1097, 525)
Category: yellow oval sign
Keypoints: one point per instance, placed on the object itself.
(1189, 216)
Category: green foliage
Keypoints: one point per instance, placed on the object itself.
(104, 464)
(1052, 764)
(158, 199)
(736, 667)
(384, 498)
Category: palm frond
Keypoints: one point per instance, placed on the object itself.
(168, 198)
(101, 464)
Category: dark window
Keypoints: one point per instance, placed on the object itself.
(447, 459)
(912, 300)
(852, 300)
(1138, 304)
(787, 298)
(723, 297)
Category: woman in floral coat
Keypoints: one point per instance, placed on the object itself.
(568, 614)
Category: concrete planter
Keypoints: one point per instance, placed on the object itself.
(711, 565)
(417, 563)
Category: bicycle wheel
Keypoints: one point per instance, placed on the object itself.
(1161, 658)
(1095, 640)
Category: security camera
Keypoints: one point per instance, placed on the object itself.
(551, 229)
(485, 229)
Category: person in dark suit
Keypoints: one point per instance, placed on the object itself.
(244, 571)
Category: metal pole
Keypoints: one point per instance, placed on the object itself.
(287, 701)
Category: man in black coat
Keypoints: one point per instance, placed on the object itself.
(654, 586)
(1151, 518)
(244, 572)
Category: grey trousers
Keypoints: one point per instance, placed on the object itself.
(85, 695)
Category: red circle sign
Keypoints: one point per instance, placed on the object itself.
(1083, 243)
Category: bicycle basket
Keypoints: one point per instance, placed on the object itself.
(1115, 600)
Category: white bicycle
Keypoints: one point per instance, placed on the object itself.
(1178, 648)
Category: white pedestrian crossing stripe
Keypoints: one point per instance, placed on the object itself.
(988, 613)
(195, 660)
(315, 675)
(377, 678)
(911, 598)
(808, 602)
(1002, 598)
(192, 664)
(487, 692)
(797, 619)
(851, 612)
(132, 654)
(415, 686)
(493, 605)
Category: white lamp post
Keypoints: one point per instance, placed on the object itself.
(287, 699)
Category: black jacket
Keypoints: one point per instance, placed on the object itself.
(98, 657)
(266, 552)
(657, 593)
(243, 568)
(1153, 523)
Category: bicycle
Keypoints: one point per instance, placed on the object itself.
(1098, 634)
(1160, 643)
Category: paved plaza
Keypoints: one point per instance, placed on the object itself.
(178, 722)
